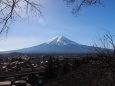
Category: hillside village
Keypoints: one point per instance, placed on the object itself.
(19, 67)
(68, 70)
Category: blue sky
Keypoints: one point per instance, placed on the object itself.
(58, 20)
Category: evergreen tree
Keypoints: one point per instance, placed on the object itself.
(50, 69)
(75, 64)
(66, 66)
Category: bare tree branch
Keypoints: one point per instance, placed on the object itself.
(81, 3)
(11, 10)
(105, 43)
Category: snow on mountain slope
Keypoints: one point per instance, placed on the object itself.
(60, 40)
(59, 44)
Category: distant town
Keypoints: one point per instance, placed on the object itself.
(17, 69)
(55, 70)
(29, 70)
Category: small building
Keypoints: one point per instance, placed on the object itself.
(5, 83)
(13, 83)
(26, 70)
(20, 83)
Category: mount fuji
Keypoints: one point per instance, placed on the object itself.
(57, 45)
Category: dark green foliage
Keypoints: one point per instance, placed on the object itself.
(50, 71)
(28, 61)
(12, 60)
(85, 61)
(32, 79)
(89, 71)
(66, 66)
(57, 63)
(0, 59)
(75, 64)
(20, 59)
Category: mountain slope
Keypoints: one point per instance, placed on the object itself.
(59, 44)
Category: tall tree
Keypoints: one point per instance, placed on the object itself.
(106, 43)
(107, 55)
(50, 69)
(66, 66)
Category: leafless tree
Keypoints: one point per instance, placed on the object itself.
(105, 45)
(10, 10)
(107, 55)
(81, 3)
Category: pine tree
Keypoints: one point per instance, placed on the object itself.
(50, 69)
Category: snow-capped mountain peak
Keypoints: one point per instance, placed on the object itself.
(57, 45)
(60, 40)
